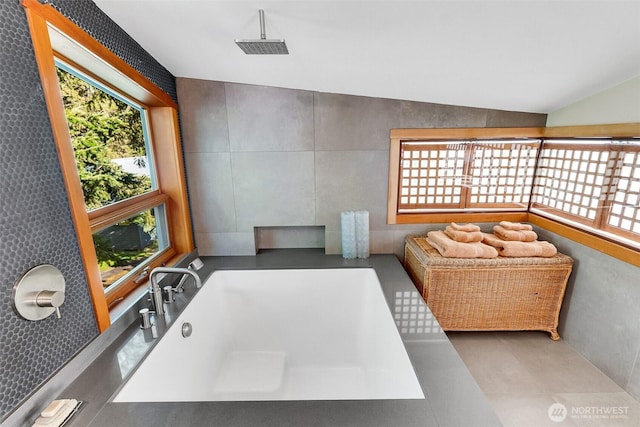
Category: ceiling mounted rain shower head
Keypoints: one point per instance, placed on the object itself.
(263, 46)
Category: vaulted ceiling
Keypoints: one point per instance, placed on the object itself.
(534, 56)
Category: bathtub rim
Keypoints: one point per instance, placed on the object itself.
(470, 407)
(168, 325)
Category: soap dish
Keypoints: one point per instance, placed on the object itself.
(58, 413)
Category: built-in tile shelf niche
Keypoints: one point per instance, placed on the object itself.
(289, 237)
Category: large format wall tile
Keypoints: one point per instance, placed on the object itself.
(273, 188)
(332, 242)
(602, 296)
(269, 119)
(427, 115)
(203, 115)
(351, 180)
(348, 135)
(345, 122)
(211, 192)
(226, 244)
(498, 118)
(380, 242)
(633, 387)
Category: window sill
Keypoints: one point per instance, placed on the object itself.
(129, 301)
(608, 247)
(444, 217)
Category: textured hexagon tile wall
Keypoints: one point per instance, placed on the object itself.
(35, 221)
(90, 18)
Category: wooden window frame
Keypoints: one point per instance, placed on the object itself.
(589, 238)
(54, 35)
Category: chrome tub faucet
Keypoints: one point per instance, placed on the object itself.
(156, 292)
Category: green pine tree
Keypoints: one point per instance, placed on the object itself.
(103, 128)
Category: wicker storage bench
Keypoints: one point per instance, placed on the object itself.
(489, 294)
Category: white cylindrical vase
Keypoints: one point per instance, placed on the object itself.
(362, 234)
(348, 222)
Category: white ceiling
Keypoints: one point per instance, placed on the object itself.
(535, 56)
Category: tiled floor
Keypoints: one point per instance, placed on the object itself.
(526, 376)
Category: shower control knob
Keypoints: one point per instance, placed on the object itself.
(39, 293)
(50, 299)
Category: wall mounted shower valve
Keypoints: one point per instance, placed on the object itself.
(39, 293)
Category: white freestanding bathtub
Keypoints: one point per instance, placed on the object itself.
(323, 334)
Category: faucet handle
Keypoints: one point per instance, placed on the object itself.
(145, 318)
(167, 293)
(51, 299)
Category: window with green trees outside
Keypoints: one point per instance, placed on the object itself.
(114, 160)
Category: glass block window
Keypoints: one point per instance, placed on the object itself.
(594, 183)
(463, 175)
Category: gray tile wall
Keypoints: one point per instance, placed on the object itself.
(35, 221)
(600, 316)
(264, 156)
